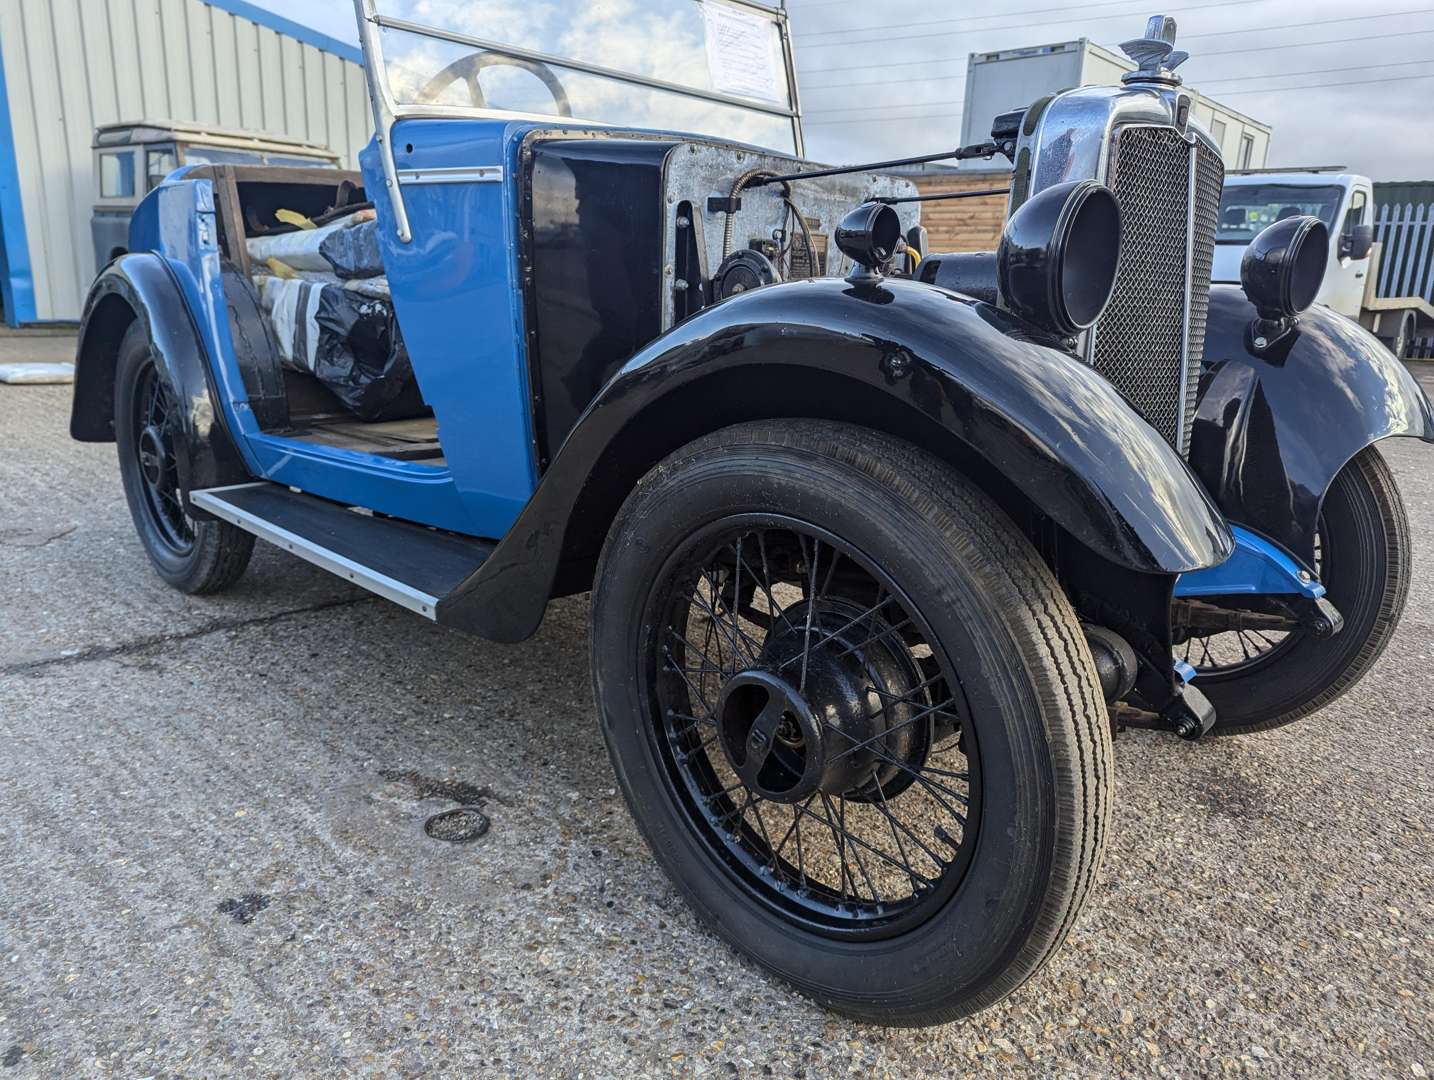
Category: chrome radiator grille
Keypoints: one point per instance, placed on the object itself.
(1150, 340)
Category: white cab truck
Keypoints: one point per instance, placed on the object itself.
(1344, 201)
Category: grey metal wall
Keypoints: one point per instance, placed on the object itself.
(72, 65)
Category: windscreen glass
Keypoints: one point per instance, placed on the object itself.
(711, 46)
(1246, 209)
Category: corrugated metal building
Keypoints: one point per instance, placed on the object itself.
(68, 66)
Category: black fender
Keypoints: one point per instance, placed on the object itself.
(142, 286)
(947, 372)
(1274, 428)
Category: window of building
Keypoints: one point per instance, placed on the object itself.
(1247, 151)
(1217, 132)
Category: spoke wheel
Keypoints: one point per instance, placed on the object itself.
(809, 727)
(853, 715)
(153, 423)
(1245, 651)
(193, 556)
(1265, 680)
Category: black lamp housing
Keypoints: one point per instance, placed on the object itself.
(1059, 256)
(869, 236)
(1284, 267)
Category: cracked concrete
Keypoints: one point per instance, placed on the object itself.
(212, 858)
(150, 641)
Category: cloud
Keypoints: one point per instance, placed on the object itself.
(886, 80)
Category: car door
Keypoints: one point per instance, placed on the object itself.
(1345, 279)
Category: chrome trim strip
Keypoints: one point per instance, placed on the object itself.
(210, 499)
(392, 23)
(480, 174)
(1193, 152)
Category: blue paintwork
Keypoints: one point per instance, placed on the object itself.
(1257, 567)
(1185, 670)
(458, 298)
(289, 28)
(17, 287)
(177, 220)
(458, 275)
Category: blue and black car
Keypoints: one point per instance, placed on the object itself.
(883, 543)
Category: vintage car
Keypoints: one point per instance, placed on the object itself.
(132, 159)
(883, 543)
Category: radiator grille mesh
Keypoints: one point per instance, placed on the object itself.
(1140, 340)
(1209, 183)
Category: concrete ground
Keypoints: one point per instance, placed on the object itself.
(212, 857)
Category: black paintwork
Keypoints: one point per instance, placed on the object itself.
(1272, 430)
(971, 273)
(1284, 266)
(869, 234)
(255, 351)
(142, 286)
(935, 368)
(1058, 256)
(595, 249)
(428, 560)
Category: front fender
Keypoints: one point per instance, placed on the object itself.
(917, 357)
(1273, 430)
(142, 287)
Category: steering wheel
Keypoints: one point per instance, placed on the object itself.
(469, 67)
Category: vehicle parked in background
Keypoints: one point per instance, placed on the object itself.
(132, 158)
(879, 540)
(1344, 202)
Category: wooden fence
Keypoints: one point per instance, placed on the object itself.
(1405, 228)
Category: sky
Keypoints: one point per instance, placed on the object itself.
(1340, 83)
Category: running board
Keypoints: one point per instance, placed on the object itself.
(408, 564)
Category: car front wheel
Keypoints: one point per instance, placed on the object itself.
(854, 716)
(1263, 679)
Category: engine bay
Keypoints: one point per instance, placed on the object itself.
(727, 233)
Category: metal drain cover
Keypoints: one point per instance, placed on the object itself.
(461, 825)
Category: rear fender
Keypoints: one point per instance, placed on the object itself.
(1273, 429)
(932, 367)
(142, 287)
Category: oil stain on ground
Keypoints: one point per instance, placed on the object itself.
(12, 1056)
(426, 787)
(243, 909)
(1230, 794)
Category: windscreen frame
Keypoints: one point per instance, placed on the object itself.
(388, 110)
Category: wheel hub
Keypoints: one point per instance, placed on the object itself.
(802, 721)
(771, 736)
(153, 454)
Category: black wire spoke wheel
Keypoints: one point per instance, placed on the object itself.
(154, 419)
(810, 728)
(853, 715)
(1258, 680)
(1243, 651)
(193, 556)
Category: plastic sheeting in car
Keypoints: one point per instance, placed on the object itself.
(303, 248)
(353, 253)
(348, 341)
